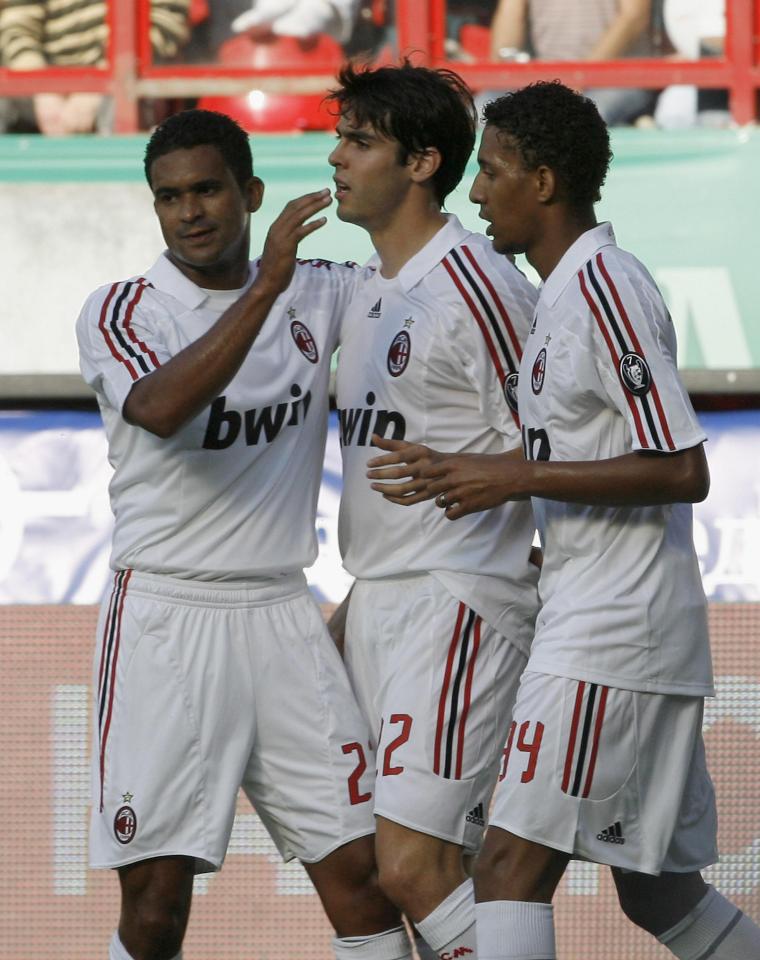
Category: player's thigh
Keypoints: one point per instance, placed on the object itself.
(441, 683)
(601, 773)
(174, 725)
(311, 771)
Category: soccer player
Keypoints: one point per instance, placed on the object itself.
(605, 759)
(212, 375)
(441, 615)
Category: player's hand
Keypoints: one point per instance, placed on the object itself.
(278, 257)
(460, 483)
(411, 465)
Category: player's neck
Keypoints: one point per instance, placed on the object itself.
(404, 236)
(556, 239)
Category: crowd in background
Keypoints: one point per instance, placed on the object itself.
(259, 33)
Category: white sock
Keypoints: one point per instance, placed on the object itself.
(450, 928)
(389, 945)
(117, 950)
(715, 929)
(423, 949)
(515, 930)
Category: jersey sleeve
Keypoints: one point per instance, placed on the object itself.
(336, 284)
(634, 347)
(118, 340)
(493, 312)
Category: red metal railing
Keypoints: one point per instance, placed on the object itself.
(131, 75)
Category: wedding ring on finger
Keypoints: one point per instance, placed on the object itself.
(440, 501)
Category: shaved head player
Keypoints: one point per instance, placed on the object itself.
(212, 375)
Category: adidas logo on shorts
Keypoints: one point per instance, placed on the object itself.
(476, 816)
(613, 834)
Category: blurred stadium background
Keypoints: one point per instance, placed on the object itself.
(75, 212)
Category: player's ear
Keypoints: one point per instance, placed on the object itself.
(546, 184)
(423, 165)
(254, 194)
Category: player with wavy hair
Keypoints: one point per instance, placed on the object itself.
(440, 617)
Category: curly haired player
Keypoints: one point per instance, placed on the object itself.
(605, 759)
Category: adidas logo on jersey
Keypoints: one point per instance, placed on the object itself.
(476, 816)
(357, 424)
(224, 425)
(613, 834)
(376, 310)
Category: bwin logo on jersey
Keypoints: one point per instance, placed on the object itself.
(510, 391)
(357, 424)
(304, 341)
(224, 425)
(399, 353)
(539, 371)
(634, 372)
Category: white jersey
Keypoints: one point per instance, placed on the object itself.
(233, 494)
(431, 356)
(622, 599)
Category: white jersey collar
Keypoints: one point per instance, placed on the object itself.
(420, 265)
(574, 258)
(166, 277)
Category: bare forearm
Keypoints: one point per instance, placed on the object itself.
(508, 28)
(172, 395)
(468, 483)
(628, 26)
(635, 479)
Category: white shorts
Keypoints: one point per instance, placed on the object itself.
(607, 775)
(204, 688)
(436, 685)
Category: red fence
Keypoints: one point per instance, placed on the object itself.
(130, 75)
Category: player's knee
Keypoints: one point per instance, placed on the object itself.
(405, 874)
(637, 910)
(495, 860)
(154, 931)
(154, 914)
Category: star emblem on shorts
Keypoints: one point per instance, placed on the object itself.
(291, 312)
(127, 797)
(408, 322)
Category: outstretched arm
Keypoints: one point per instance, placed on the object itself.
(468, 483)
(629, 24)
(509, 27)
(166, 399)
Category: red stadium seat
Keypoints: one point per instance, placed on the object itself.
(277, 113)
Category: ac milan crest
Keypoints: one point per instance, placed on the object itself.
(634, 372)
(125, 824)
(510, 391)
(304, 341)
(399, 353)
(539, 371)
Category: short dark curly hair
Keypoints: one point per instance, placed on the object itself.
(196, 128)
(548, 123)
(417, 106)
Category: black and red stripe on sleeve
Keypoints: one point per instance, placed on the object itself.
(606, 304)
